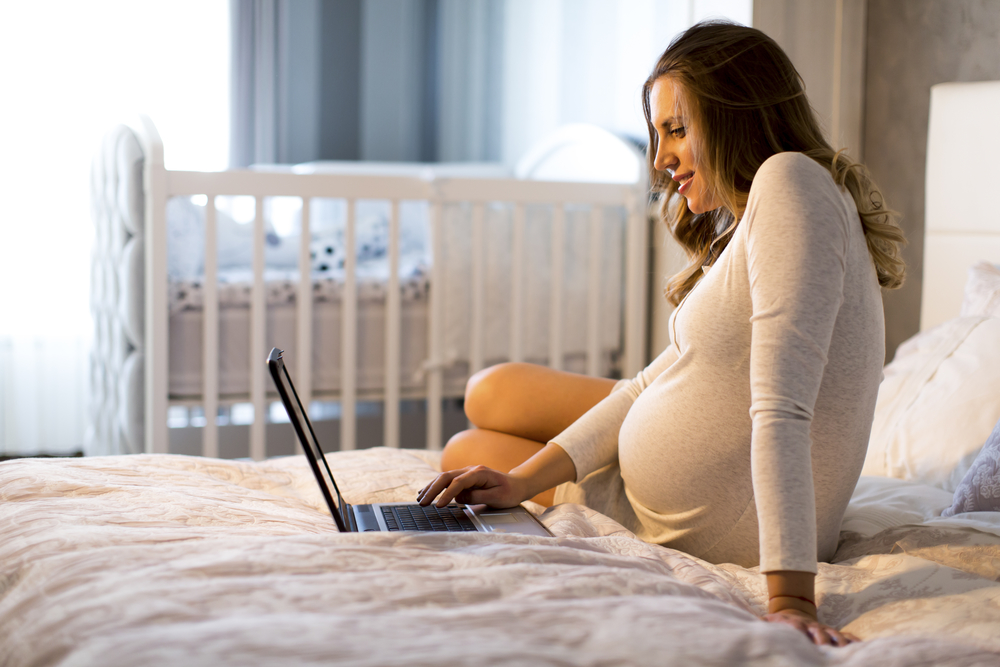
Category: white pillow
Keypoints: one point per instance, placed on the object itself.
(937, 403)
(982, 291)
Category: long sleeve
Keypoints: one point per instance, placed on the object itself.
(797, 244)
(742, 443)
(592, 440)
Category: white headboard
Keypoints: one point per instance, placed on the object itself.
(962, 215)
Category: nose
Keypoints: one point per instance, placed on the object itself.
(666, 159)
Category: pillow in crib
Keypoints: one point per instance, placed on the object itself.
(186, 242)
(327, 256)
(982, 291)
(185, 239)
(979, 490)
(938, 402)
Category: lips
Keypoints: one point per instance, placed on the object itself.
(685, 181)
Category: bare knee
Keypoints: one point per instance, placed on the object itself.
(460, 451)
(478, 446)
(487, 392)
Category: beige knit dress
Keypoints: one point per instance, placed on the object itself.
(743, 441)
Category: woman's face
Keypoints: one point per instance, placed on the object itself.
(675, 147)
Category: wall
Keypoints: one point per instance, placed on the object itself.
(912, 45)
(868, 66)
(825, 39)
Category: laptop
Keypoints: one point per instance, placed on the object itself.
(380, 517)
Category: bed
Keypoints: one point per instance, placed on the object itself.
(173, 560)
(197, 275)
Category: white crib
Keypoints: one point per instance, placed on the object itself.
(132, 361)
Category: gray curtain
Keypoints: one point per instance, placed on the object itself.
(275, 79)
(399, 80)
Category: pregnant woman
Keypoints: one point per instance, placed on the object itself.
(743, 441)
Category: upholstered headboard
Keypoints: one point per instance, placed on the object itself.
(117, 360)
(962, 215)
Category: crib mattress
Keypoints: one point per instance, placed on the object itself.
(186, 322)
(187, 343)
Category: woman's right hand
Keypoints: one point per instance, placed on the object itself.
(473, 486)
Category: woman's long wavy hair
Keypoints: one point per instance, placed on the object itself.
(745, 101)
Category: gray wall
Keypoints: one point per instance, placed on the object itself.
(912, 45)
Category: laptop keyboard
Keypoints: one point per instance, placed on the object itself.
(415, 517)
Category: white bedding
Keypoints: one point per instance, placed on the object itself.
(158, 560)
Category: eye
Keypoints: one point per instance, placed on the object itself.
(678, 132)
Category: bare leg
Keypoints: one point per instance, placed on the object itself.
(518, 408)
(530, 401)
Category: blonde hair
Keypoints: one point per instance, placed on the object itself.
(745, 100)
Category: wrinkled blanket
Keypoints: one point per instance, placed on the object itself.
(171, 560)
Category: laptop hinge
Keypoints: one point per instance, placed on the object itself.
(352, 523)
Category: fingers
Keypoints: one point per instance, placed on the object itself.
(824, 635)
(818, 633)
(841, 638)
(437, 485)
(463, 482)
(449, 485)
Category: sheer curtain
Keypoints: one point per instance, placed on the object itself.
(442, 80)
(71, 71)
(584, 61)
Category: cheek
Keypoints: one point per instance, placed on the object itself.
(705, 201)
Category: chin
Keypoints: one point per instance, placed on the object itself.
(696, 207)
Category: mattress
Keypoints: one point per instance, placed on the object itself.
(172, 560)
(186, 307)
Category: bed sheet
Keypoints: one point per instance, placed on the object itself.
(163, 560)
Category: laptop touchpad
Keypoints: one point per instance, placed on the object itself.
(497, 518)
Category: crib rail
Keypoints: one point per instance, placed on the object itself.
(161, 185)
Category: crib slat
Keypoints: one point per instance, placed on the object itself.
(303, 311)
(594, 294)
(349, 337)
(435, 305)
(258, 447)
(476, 330)
(517, 285)
(636, 257)
(210, 345)
(392, 334)
(556, 284)
(157, 329)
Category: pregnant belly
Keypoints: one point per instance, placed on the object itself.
(683, 452)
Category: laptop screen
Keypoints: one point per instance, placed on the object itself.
(307, 437)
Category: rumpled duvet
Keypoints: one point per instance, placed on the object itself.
(171, 560)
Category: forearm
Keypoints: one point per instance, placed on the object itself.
(789, 589)
(550, 467)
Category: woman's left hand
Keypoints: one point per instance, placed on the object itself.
(818, 633)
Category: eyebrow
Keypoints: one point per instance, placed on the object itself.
(672, 120)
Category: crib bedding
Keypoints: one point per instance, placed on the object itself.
(155, 559)
(187, 336)
(187, 333)
(186, 290)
